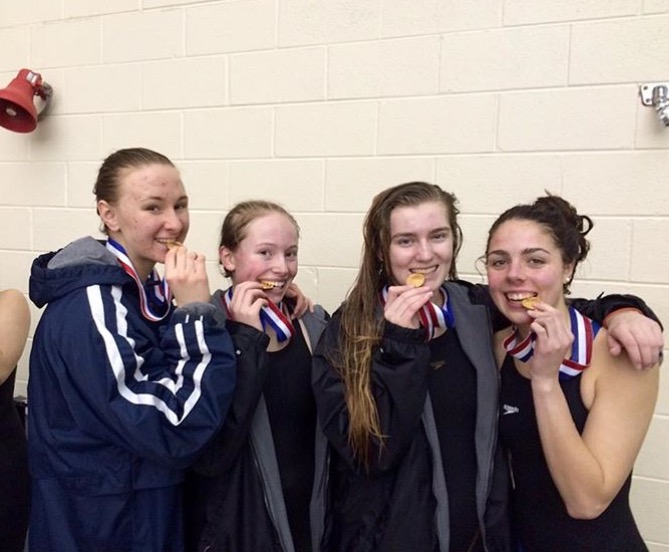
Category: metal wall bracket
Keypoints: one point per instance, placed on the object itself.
(646, 91)
(656, 95)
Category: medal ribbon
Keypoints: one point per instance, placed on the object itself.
(270, 314)
(155, 290)
(584, 331)
(431, 315)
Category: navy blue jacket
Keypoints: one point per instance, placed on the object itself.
(118, 405)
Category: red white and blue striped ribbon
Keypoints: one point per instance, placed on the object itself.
(271, 315)
(431, 315)
(158, 288)
(584, 331)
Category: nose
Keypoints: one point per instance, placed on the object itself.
(279, 264)
(424, 252)
(176, 220)
(516, 271)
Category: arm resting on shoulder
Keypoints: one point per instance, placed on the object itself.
(632, 325)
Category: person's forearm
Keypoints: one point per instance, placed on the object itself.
(600, 308)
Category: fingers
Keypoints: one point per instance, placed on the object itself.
(302, 302)
(302, 305)
(626, 340)
(614, 345)
(247, 300)
(641, 338)
(403, 304)
(180, 257)
(552, 330)
(642, 349)
(186, 274)
(553, 341)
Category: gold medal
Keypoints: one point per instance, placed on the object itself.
(530, 302)
(415, 279)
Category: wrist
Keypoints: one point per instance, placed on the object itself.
(607, 318)
(544, 385)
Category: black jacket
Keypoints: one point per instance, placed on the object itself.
(402, 502)
(233, 495)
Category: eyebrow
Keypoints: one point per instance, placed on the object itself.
(531, 250)
(408, 234)
(163, 198)
(272, 244)
(527, 251)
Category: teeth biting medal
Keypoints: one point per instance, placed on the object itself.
(530, 303)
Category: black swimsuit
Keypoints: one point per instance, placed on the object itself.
(539, 514)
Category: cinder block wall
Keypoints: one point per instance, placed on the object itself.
(320, 104)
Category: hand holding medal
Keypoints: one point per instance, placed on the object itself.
(245, 303)
(553, 341)
(403, 303)
(186, 275)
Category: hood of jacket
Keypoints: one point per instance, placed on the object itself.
(82, 263)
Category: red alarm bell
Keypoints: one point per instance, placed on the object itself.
(17, 107)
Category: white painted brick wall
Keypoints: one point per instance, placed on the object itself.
(300, 183)
(655, 6)
(568, 119)
(260, 77)
(402, 67)
(67, 43)
(320, 105)
(634, 183)
(159, 130)
(523, 12)
(228, 133)
(650, 254)
(15, 51)
(444, 124)
(231, 27)
(207, 182)
(521, 57)
(86, 8)
(483, 183)
(352, 182)
(637, 54)
(134, 36)
(315, 22)
(32, 184)
(183, 83)
(326, 129)
(71, 138)
(79, 184)
(18, 221)
(108, 88)
(30, 11)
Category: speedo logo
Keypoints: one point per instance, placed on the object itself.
(508, 409)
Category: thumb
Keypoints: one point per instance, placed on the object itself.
(614, 345)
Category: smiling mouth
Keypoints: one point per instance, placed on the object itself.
(424, 271)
